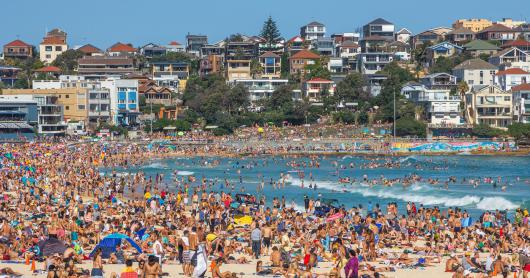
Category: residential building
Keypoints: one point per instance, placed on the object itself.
(48, 71)
(490, 105)
(345, 37)
(313, 31)
(374, 44)
(74, 100)
(510, 23)
(379, 27)
(170, 68)
(511, 58)
(18, 49)
(238, 69)
(460, 35)
(246, 50)
(212, 49)
(315, 88)
(428, 36)
(9, 75)
(174, 46)
(99, 105)
(374, 83)
(521, 103)
(348, 49)
(295, 44)
(52, 45)
(497, 32)
(480, 47)
(211, 64)
(300, 60)
(336, 65)
(159, 95)
(124, 100)
(506, 79)
(371, 63)
(403, 35)
(440, 108)
(474, 24)
(151, 50)
(18, 117)
(523, 45)
(325, 46)
(523, 31)
(271, 65)
(444, 49)
(195, 42)
(90, 50)
(51, 115)
(261, 88)
(122, 49)
(101, 66)
(475, 72)
(440, 80)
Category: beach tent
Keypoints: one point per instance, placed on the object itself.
(109, 243)
(51, 246)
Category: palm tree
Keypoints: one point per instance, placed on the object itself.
(418, 112)
(463, 88)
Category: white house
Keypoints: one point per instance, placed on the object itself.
(506, 79)
(475, 72)
(490, 105)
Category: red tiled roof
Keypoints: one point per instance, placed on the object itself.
(53, 40)
(516, 43)
(319, 80)
(49, 69)
(512, 71)
(18, 43)
(522, 87)
(174, 43)
(89, 49)
(121, 47)
(305, 54)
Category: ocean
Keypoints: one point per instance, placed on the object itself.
(510, 192)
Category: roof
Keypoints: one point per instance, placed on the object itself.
(296, 38)
(475, 64)
(48, 69)
(314, 23)
(121, 47)
(269, 54)
(53, 40)
(56, 32)
(480, 45)
(17, 43)
(404, 31)
(305, 54)
(507, 50)
(522, 87)
(497, 28)
(104, 60)
(461, 30)
(445, 45)
(349, 44)
(512, 71)
(89, 49)
(319, 80)
(381, 21)
(516, 43)
(174, 43)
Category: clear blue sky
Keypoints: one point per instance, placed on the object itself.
(104, 22)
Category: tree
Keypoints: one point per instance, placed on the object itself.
(486, 131)
(317, 70)
(67, 61)
(285, 69)
(255, 67)
(352, 88)
(410, 127)
(519, 131)
(270, 33)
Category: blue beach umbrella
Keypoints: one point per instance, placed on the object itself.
(109, 243)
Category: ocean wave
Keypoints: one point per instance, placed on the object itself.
(155, 165)
(416, 193)
(185, 173)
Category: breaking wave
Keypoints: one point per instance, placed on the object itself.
(417, 193)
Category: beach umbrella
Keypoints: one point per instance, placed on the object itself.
(51, 246)
(260, 129)
(180, 133)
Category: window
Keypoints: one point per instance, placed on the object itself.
(48, 48)
(67, 107)
(48, 56)
(67, 96)
(10, 50)
(506, 98)
(81, 107)
(58, 48)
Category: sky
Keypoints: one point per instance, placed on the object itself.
(105, 22)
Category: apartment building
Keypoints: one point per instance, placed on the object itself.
(490, 105)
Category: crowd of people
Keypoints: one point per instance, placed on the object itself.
(58, 211)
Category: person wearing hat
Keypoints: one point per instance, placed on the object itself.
(452, 263)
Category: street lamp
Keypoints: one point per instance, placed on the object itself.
(394, 93)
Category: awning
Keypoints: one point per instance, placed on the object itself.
(15, 125)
